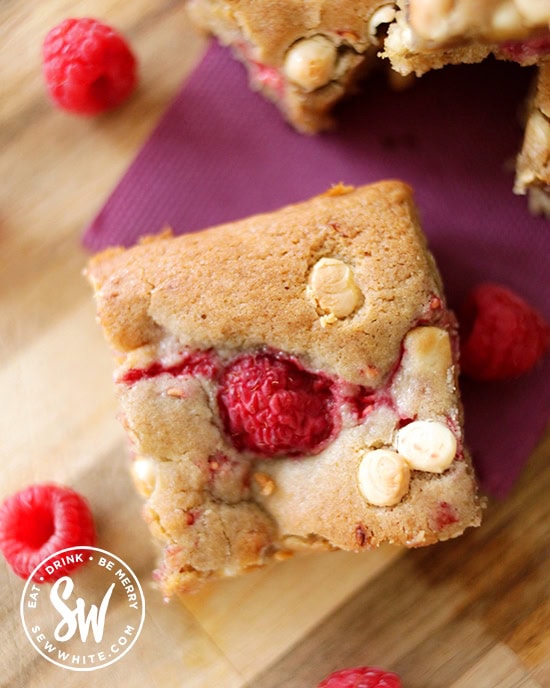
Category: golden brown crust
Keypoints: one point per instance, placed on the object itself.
(245, 286)
(270, 28)
(174, 285)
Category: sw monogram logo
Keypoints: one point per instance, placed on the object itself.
(88, 621)
(76, 619)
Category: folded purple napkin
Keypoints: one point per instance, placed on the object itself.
(221, 153)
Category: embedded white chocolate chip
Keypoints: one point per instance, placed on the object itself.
(333, 287)
(424, 384)
(429, 349)
(384, 477)
(383, 15)
(535, 12)
(310, 62)
(430, 18)
(506, 19)
(144, 475)
(427, 445)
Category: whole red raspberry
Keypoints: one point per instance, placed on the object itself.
(273, 407)
(361, 677)
(40, 520)
(88, 66)
(501, 335)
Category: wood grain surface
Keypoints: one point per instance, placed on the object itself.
(473, 612)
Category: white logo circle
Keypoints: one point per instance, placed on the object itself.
(84, 621)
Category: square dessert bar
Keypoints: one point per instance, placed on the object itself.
(305, 57)
(302, 56)
(289, 382)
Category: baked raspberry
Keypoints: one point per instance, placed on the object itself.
(361, 677)
(88, 66)
(537, 46)
(445, 515)
(364, 400)
(40, 520)
(502, 336)
(268, 77)
(273, 407)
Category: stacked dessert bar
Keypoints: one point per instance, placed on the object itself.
(306, 56)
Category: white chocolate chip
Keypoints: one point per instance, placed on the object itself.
(310, 62)
(429, 348)
(383, 15)
(506, 19)
(535, 12)
(430, 18)
(144, 475)
(384, 477)
(333, 288)
(424, 384)
(427, 445)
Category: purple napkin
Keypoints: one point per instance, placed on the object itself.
(221, 153)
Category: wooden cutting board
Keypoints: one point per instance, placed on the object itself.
(472, 612)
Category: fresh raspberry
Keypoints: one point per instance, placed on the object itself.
(501, 335)
(88, 66)
(272, 406)
(361, 677)
(40, 520)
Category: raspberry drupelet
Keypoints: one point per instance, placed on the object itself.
(272, 407)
